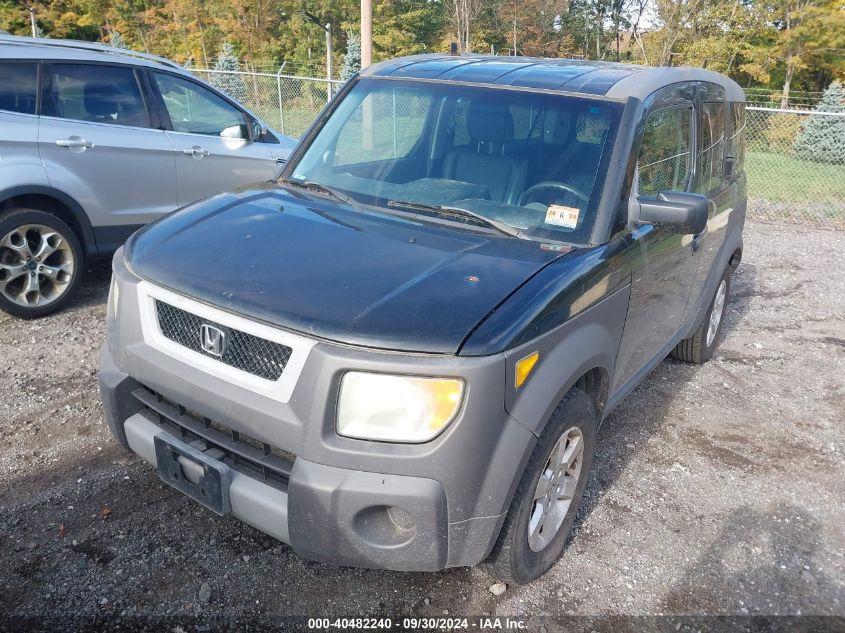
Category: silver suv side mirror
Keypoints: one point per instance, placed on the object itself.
(256, 130)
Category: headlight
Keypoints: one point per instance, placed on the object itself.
(396, 408)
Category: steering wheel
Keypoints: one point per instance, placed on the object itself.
(550, 184)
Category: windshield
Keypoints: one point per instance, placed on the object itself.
(532, 161)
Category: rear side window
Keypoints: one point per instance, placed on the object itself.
(736, 144)
(18, 83)
(96, 93)
(665, 152)
(711, 146)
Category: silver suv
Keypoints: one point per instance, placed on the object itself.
(96, 142)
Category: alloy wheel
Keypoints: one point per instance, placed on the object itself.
(36, 265)
(555, 489)
(716, 313)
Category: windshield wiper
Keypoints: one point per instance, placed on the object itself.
(310, 185)
(455, 212)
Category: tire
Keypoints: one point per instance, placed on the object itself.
(514, 559)
(27, 289)
(699, 347)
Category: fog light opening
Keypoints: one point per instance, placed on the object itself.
(385, 526)
(401, 519)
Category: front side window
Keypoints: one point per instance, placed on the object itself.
(532, 161)
(195, 110)
(665, 156)
(18, 83)
(712, 147)
(95, 93)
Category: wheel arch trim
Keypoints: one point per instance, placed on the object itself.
(586, 345)
(80, 222)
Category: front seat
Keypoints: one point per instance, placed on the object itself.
(489, 159)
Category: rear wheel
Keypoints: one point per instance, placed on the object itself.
(40, 263)
(537, 525)
(700, 346)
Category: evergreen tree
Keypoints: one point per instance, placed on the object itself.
(822, 138)
(229, 82)
(352, 57)
(117, 40)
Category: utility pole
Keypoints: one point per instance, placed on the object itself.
(366, 33)
(32, 22)
(328, 30)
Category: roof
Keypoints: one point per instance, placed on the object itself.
(16, 47)
(607, 79)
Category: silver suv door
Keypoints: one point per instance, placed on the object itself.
(212, 141)
(19, 161)
(98, 147)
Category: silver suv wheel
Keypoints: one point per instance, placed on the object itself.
(36, 265)
(41, 262)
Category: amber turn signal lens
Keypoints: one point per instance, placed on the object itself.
(524, 368)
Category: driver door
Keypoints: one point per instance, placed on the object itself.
(664, 264)
(213, 150)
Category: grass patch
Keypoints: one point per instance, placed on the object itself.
(783, 178)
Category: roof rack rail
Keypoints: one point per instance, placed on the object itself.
(87, 46)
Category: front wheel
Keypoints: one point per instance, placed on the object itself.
(546, 501)
(40, 263)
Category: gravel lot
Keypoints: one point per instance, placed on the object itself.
(716, 489)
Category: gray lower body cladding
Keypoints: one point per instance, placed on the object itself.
(335, 499)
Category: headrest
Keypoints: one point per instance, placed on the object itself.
(491, 123)
(592, 126)
(101, 100)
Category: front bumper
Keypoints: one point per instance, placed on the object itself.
(344, 501)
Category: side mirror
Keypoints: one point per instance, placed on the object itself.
(256, 130)
(676, 212)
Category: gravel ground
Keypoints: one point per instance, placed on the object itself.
(715, 490)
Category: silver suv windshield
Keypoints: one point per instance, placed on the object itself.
(530, 161)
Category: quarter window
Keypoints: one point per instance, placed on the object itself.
(665, 152)
(712, 144)
(736, 145)
(18, 87)
(195, 110)
(96, 93)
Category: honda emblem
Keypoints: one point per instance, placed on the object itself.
(212, 340)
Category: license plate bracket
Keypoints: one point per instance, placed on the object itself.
(211, 488)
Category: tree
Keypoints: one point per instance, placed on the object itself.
(225, 76)
(117, 40)
(352, 57)
(462, 15)
(822, 138)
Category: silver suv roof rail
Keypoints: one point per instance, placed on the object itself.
(86, 46)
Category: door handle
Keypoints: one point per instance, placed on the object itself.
(196, 151)
(74, 142)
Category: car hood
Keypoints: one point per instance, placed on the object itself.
(306, 263)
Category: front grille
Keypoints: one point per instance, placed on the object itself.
(249, 353)
(246, 454)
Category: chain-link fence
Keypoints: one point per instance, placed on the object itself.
(286, 102)
(795, 161)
